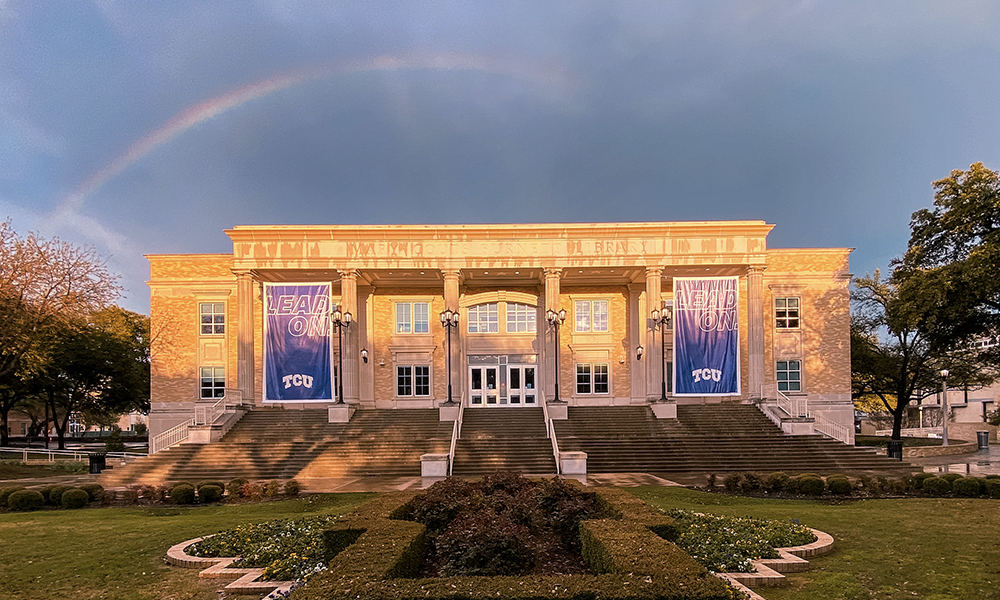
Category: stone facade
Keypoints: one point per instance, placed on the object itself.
(530, 268)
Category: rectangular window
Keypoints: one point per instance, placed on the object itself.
(213, 382)
(213, 318)
(591, 315)
(592, 378)
(413, 380)
(413, 317)
(484, 318)
(789, 375)
(24, 429)
(520, 318)
(786, 313)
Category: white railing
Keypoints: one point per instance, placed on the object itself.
(456, 432)
(206, 415)
(170, 437)
(27, 454)
(833, 429)
(914, 432)
(550, 432)
(794, 407)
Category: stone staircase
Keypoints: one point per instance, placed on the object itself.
(271, 443)
(713, 438)
(503, 439)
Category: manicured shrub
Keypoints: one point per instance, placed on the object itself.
(272, 488)
(5, 493)
(217, 484)
(776, 482)
(562, 506)
(917, 480)
(182, 494)
(936, 486)
(733, 482)
(55, 495)
(993, 476)
(292, 488)
(868, 484)
(94, 491)
(992, 487)
(210, 493)
(810, 485)
(839, 484)
(951, 477)
(752, 482)
(44, 491)
(75, 498)
(483, 543)
(234, 486)
(967, 487)
(443, 501)
(25, 500)
(252, 491)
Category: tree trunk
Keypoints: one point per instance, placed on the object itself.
(4, 434)
(60, 429)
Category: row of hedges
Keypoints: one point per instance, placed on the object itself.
(811, 484)
(207, 492)
(20, 499)
(629, 559)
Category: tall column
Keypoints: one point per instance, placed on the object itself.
(654, 295)
(350, 351)
(244, 336)
(552, 276)
(637, 336)
(452, 278)
(755, 330)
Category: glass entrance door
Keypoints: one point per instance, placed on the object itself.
(522, 385)
(483, 386)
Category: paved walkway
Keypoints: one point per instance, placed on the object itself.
(979, 463)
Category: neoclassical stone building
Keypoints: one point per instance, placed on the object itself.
(501, 280)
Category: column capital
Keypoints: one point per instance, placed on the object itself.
(552, 272)
(756, 269)
(654, 272)
(452, 274)
(349, 274)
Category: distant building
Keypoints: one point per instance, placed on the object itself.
(792, 316)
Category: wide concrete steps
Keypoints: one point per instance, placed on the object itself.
(709, 438)
(286, 444)
(503, 439)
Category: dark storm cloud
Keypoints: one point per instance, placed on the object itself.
(829, 119)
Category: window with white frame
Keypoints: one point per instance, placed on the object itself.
(786, 313)
(591, 315)
(521, 318)
(213, 382)
(213, 318)
(413, 380)
(789, 375)
(592, 378)
(484, 318)
(413, 317)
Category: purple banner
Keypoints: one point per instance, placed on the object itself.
(297, 356)
(706, 336)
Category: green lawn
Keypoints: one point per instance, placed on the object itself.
(931, 549)
(117, 553)
(15, 469)
(927, 548)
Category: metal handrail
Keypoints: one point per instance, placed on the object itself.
(73, 455)
(206, 415)
(170, 437)
(550, 432)
(456, 432)
(913, 431)
(793, 407)
(832, 429)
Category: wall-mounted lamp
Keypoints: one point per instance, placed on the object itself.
(364, 355)
(381, 362)
(638, 352)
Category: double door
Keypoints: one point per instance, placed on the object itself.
(502, 385)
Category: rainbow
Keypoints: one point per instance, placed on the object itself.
(208, 109)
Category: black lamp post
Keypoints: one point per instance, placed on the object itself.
(341, 321)
(556, 320)
(944, 407)
(449, 320)
(662, 320)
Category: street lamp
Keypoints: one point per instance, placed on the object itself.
(944, 407)
(556, 320)
(449, 319)
(662, 320)
(341, 321)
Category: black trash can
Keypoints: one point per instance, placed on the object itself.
(98, 461)
(983, 437)
(894, 449)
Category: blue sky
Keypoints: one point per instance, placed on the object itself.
(149, 127)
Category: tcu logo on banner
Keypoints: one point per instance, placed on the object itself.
(297, 354)
(706, 336)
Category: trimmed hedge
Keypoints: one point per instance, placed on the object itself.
(839, 484)
(810, 485)
(5, 493)
(210, 493)
(182, 494)
(75, 498)
(631, 560)
(95, 491)
(936, 486)
(967, 487)
(25, 500)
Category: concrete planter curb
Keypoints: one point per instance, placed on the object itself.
(769, 570)
(245, 581)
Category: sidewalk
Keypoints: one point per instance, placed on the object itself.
(979, 463)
